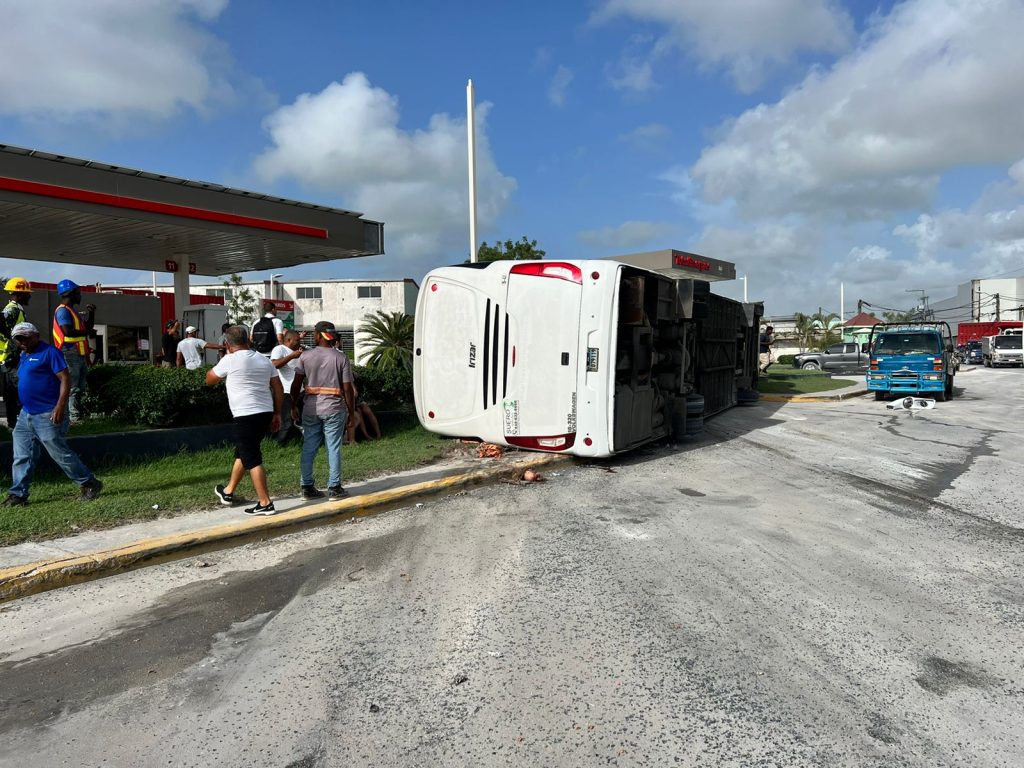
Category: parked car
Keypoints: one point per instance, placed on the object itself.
(838, 357)
(973, 353)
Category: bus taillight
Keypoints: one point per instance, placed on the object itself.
(557, 269)
(552, 443)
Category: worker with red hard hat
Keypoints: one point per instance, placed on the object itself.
(20, 291)
(71, 337)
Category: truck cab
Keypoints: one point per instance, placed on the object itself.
(911, 358)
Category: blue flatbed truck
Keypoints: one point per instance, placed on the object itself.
(911, 358)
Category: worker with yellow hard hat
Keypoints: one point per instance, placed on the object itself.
(20, 291)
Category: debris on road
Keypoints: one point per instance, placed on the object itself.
(490, 451)
(374, 707)
(911, 404)
(532, 476)
(460, 679)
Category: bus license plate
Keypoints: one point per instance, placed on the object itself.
(593, 356)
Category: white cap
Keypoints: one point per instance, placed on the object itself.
(191, 329)
(23, 329)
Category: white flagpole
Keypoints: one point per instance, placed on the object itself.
(471, 142)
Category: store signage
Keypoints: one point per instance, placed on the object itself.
(171, 265)
(686, 260)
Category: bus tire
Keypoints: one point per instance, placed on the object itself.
(747, 396)
(694, 425)
(694, 405)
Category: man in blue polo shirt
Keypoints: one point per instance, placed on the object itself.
(44, 386)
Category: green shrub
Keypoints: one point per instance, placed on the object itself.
(785, 359)
(387, 388)
(157, 397)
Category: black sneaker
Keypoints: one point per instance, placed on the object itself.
(224, 496)
(336, 492)
(261, 509)
(92, 489)
(14, 501)
(311, 492)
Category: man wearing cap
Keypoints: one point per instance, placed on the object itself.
(44, 385)
(20, 290)
(190, 349)
(169, 343)
(330, 398)
(70, 336)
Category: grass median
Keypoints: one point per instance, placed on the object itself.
(796, 381)
(184, 483)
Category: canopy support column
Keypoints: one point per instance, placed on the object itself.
(181, 289)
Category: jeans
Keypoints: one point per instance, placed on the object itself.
(78, 367)
(34, 432)
(317, 430)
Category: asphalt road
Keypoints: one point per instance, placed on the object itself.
(816, 584)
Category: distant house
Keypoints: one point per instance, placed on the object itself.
(858, 328)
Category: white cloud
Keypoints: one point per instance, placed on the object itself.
(746, 37)
(933, 86)
(559, 85)
(628, 235)
(346, 140)
(647, 136)
(632, 73)
(102, 59)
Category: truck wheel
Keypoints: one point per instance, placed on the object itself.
(988, 363)
(880, 395)
(940, 397)
(809, 366)
(949, 388)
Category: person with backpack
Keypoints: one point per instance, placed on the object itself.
(268, 331)
(20, 290)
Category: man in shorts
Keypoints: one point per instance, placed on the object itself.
(254, 395)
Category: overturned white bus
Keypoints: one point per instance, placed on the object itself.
(584, 357)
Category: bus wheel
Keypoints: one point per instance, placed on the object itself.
(880, 394)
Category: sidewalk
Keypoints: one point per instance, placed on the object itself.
(37, 566)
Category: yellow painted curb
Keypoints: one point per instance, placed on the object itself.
(22, 580)
(811, 398)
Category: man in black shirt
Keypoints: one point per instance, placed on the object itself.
(765, 341)
(169, 343)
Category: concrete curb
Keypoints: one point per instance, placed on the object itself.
(32, 578)
(813, 398)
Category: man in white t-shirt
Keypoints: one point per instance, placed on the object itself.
(284, 357)
(254, 395)
(190, 349)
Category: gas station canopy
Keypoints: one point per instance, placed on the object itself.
(62, 209)
(681, 264)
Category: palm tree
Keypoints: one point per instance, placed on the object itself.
(389, 336)
(827, 326)
(804, 327)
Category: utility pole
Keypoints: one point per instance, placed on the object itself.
(923, 310)
(471, 142)
(999, 315)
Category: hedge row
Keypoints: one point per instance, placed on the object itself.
(177, 397)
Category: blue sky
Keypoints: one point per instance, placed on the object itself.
(809, 141)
